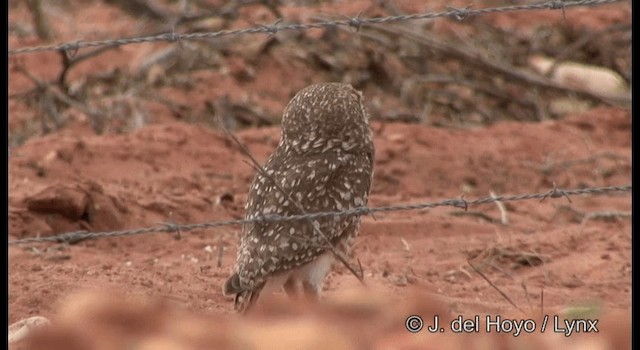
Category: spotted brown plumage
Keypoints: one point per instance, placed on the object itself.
(324, 161)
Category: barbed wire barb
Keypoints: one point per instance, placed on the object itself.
(556, 193)
(558, 5)
(172, 227)
(457, 203)
(354, 22)
(272, 29)
(71, 51)
(357, 21)
(460, 13)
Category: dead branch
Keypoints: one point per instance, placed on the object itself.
(140, 8)
(541, 301)
(607, 215)
(474, 57)
(69, 61)
(505, 296)
(478, 86)
(232, 7)
(220, 254)
(568, 51)
(550, 166)
(477, 214)
(504, 219)
(526, 292)
(60, 96)
(518, 258)
(40, 20)
(175, 107)
(231, 113)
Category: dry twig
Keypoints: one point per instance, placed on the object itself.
(504, 220)
(505, 296)
(474, 57)
(39, 18)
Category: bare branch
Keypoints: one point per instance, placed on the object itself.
(505, 296)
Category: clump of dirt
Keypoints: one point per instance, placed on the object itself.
(84, 204)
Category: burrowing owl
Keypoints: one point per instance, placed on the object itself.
(324, 161)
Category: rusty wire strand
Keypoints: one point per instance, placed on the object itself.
(76, 236)
(352, 22)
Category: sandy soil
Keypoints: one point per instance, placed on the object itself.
(553, 257)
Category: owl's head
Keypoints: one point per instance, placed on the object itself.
(326, 114)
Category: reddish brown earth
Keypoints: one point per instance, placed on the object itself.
(559, 256)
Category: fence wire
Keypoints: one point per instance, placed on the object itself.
(353, 22)
(76, 236)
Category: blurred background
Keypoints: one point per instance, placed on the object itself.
(115, 117)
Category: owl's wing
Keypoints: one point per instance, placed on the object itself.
(323, 182)
(319, 183)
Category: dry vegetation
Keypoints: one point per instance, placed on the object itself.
(438, 72)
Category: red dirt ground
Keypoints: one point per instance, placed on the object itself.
(154, 291)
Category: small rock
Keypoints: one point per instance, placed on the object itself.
(70, 202)
(20, 329)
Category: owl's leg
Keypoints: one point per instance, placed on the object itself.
(292, 287)
(316, 272)
(311, 290)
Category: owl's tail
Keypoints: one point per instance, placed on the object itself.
(245, 298)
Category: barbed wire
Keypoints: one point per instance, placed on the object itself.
(353, 22)
(76, 236)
